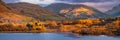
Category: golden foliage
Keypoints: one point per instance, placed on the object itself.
(83, 9)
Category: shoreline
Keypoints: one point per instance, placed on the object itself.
(75, 34)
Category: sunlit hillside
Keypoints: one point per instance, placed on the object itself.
(35, 11)
(75, 11)
(7, 14)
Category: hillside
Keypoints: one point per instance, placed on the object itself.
(7, 14)
(114, 11)
(34, 11)
(75, 11)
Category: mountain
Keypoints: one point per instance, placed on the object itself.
(34, 11)
(7, 14)
(75, 11)
(114, 11)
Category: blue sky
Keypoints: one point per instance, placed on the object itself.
(102, 5)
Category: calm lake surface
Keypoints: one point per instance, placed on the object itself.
(50, 36)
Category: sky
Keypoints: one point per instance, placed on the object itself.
(102, 5)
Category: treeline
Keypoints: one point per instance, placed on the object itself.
(104, 26)
(22, 27)
(12, 27)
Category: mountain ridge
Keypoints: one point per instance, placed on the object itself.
(82, 10)
(34, 11)
(115, 11)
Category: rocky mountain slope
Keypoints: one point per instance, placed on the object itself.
(75, 11)
(114, 11)
(34, 11)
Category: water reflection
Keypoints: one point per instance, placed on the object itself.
(51, 36)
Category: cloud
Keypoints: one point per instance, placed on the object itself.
(86, 0)
(102, 5)
(38, 1)
(31, 1)
(10, 1)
